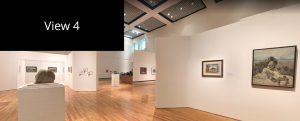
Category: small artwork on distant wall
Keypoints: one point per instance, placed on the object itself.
(70, 69)
(212, 68)
(31, 69)
(53, 69)
(143, 70)
(274, 66)
(153, 71)
(85, 71)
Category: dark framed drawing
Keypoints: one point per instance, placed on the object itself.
(143, 70)
(70, 69)
(53, 69)
(274, 66)
(31, 69)
(153, 71)
(212, 68)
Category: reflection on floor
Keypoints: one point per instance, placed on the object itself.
(123, 103)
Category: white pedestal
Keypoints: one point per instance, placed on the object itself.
(115, 79)
(41, 102)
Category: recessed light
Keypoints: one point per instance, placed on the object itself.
(171, 16)
(124, 14)
(192, 3)
(180, 8)
(168, 14)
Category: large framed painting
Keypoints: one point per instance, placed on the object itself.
(143, 70)
(153, 71)
(53, 69)
(212, 68)
(31, 69)
(274, 66)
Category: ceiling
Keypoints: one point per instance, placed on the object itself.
(142, 16)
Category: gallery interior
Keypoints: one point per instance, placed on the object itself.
(195, 60)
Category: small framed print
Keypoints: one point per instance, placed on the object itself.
(70, 69)
(153, 71)
(31, 69)
(53, 69)
(143, 70)
(212, 68)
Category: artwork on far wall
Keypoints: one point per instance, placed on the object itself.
(31, 69)
(274, 66)
(70, 69)
(143, 70)
(212, 68)
(53, 69)
(153, 71)
(85, 71)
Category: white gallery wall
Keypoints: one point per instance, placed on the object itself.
(13, 66)
(143, 59)
(8, 70)
(84, 70)
(171, 63)
(43, 65)
(232, 95)
(110, 61)
(69, 70)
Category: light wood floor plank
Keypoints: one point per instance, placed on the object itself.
(123, 103)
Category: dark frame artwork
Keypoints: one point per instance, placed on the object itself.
(53, 69)
(31, 69)
(212, 68)
(70, 69)
(143, 70)
(153, 71)
(274, 67)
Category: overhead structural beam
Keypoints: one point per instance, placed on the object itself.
(150, 12)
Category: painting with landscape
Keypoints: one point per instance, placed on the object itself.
(274, 66)
(212, 68)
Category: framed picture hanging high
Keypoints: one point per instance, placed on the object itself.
(212, 68)
(53, 69)
(274, 66)
(143, 70)
(153, 71)
(31, 69)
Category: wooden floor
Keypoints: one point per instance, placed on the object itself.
(123, 103)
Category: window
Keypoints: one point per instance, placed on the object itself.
(140, 44)
(136, 46)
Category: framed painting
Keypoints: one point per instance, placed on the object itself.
(70, 69)
(274, 66)
(212, 68)
(143, 70)
(53, 69)
(31, 69)
(153, 71)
